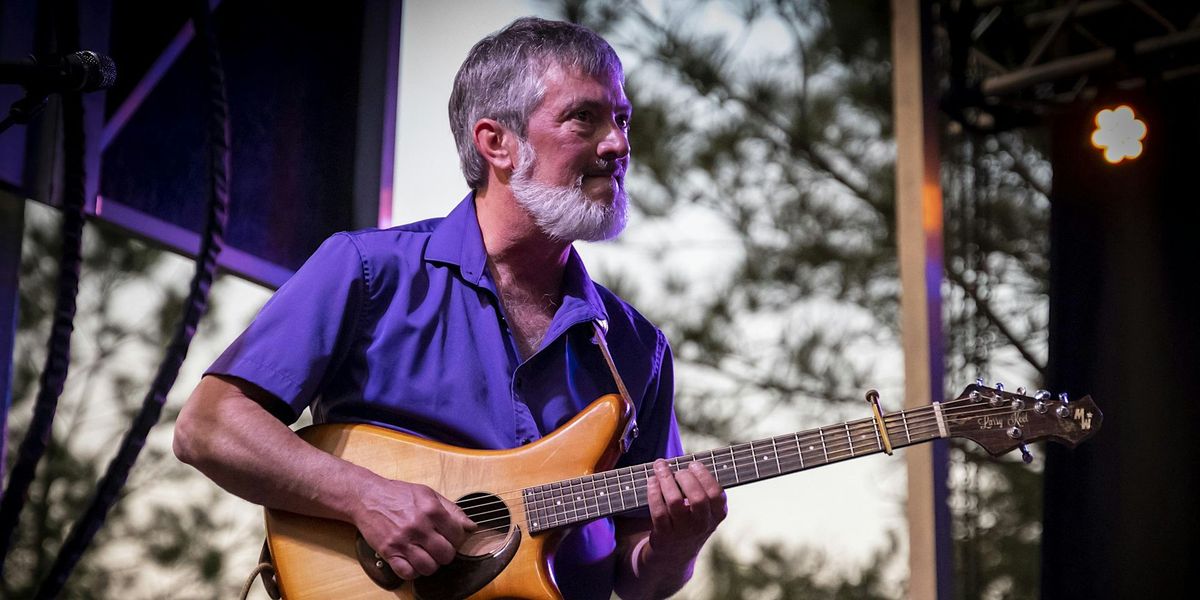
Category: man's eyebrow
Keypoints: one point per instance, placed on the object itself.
(578, 103)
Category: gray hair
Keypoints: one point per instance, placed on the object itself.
(501, 79)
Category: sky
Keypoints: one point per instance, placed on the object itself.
(844, 510)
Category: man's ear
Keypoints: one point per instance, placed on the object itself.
(496, 144)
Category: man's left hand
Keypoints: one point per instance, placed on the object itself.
(685, 508)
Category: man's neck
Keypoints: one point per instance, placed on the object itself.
(526, 264)
(519, 253)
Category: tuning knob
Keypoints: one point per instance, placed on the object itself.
(999, 387)
(1020, 391)
(1042, 395)
(1063, 411)
(979, 382)
(1026, 455)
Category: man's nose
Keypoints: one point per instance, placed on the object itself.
(615, 144)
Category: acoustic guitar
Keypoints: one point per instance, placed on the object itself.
(524, 499)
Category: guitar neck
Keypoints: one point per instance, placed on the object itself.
(621, 490)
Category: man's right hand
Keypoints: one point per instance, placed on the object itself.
(225, 432)
(413, 528)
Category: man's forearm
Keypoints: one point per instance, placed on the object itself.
(243, 448)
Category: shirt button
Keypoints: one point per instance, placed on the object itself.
(518, 383)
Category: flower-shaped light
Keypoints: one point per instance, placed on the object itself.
(1118, 134)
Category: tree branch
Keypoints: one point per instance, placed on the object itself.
(985, 309)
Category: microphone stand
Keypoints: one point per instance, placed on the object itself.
(24, 110)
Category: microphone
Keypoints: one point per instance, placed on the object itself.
(83, 71)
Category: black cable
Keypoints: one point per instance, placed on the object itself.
(197, 303)
(58, 346)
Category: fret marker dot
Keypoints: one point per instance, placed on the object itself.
(559, 502)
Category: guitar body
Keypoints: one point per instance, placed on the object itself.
(317, 558)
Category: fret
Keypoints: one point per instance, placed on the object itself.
(575, 489)
(591, 501)
(878, 439)
(849, 438)
(775, 450)
(637, 479)
(558, 508)
(904, 419)
(750, 464)
(721, 468)
(625, 481)
(601, 496)
(824, 448)
(733, 463)
(799, 449)
(616, 489)
(530, 509)
(540, 511)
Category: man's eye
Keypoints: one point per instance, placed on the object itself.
(583, 115)
(623, 121)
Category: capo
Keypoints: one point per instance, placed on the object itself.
(873, 400)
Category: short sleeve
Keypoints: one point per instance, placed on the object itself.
(304, 330)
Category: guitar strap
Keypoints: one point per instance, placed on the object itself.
(631, 427)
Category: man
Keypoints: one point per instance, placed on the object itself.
(474, 330)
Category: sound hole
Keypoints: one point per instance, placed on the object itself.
(493, 523)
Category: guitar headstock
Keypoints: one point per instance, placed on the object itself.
(1001, 421)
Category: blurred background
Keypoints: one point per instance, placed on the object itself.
(763, 241)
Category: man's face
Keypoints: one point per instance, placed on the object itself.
(571, 170)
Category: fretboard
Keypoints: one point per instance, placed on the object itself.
(621, 490)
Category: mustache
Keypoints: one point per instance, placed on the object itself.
(606, 168)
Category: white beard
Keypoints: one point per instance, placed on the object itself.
(565, 213)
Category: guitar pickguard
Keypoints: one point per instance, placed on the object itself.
(467, 574)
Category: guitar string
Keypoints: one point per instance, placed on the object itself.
(864, 429)
(582, 513)
(835, 452)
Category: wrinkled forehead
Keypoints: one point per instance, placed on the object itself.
(603, 66)
(563, 83)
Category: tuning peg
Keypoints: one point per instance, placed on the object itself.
(1041, 395)
(1020, 391)
(1062, 411)
(999, 387)
(979, 382)
(1026, 455)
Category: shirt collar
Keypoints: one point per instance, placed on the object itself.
(457, 240)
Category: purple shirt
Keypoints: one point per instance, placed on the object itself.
(403, 328)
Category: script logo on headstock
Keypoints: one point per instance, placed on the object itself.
(1018, 419)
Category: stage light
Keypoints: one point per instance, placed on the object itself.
(1118, 134)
